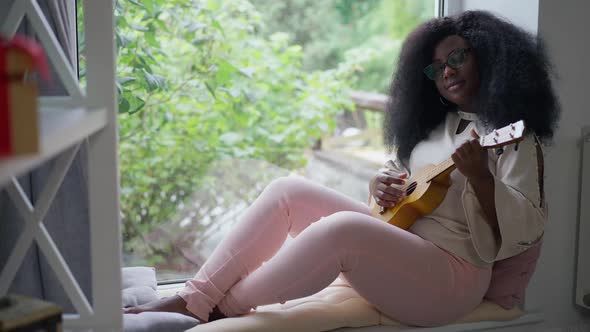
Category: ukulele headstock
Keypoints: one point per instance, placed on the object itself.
(512, 133)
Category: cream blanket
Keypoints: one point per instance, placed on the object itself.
(338, 305)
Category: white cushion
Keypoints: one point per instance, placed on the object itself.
(336, 306)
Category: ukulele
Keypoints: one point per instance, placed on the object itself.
(426, 190)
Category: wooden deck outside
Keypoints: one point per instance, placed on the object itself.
(348, 161)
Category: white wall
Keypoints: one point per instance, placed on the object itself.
(525, 13)
(564, 25)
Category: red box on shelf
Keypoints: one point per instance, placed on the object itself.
(19, 119)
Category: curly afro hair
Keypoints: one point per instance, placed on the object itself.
(515, 81)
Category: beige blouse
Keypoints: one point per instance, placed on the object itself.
(458, 223)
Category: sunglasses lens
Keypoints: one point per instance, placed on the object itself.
(456, 58)
(432, 71)
(429, 72)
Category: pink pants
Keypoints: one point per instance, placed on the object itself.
(406, 277)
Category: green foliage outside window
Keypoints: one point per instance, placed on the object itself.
(234, 90)
(197, 84)
(328, 29)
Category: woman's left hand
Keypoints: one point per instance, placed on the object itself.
(472, 160)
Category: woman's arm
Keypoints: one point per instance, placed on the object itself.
(471, 160)
(515, 197)
(484, 191)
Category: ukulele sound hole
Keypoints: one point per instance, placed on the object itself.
(411, 188)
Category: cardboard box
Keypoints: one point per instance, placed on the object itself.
(19, 119)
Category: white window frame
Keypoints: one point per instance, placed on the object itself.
(65, 123)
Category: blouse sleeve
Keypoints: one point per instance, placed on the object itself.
(394, 164)
(519, 202)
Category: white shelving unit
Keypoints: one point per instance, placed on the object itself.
(63, 128)
(60, 129)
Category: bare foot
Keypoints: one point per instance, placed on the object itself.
(168, 304)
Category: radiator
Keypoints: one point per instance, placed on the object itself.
(583, 264)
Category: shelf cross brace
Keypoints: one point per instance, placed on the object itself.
(34, 229)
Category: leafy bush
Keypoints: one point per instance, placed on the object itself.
(197, 84)
(328, 29)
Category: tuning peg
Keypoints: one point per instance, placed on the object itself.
(516, 147)
(499, 151)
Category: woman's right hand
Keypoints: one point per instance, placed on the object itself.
(383, 193)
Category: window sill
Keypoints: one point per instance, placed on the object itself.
(169, 289)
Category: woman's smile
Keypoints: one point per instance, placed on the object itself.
(456, 85)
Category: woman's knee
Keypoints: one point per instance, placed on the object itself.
(285, 181)
(292, 186)
(344, 226)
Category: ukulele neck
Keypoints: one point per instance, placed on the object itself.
(446, 166)
(512, 133)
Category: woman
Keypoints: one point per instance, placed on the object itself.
(457, 78)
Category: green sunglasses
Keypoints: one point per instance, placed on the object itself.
(455, 60)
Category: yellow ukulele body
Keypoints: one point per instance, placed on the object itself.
(424, 196)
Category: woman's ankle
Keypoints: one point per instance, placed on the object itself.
(216, 314)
